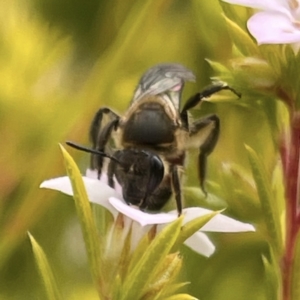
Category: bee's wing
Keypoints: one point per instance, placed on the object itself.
(163, 78)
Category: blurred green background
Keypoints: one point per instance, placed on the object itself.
(60, 60)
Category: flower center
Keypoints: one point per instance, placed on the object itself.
(295, 10)
(294, 4)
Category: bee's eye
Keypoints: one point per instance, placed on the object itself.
(156, 172)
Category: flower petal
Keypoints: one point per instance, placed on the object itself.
(200, 243)
(218, 223)
(269, 5)
(61, 184)
(138, 232)
(97, 191)
(191, 213)
(273, 28)
(221, 223)
(94, 174)
(140, 216)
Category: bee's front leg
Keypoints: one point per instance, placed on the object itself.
(101, 133)
(175, 179)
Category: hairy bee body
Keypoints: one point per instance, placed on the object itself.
(151, 139)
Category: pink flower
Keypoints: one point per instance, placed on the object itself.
(276, 22)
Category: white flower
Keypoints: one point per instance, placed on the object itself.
(276, 22)
(102, 194)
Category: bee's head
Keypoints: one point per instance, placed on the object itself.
(138, 172)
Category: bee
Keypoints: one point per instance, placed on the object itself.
(152, 137)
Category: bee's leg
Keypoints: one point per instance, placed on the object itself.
(158, 199)
(158, 187)
(100, 136)
(157, 196)
(175, 179)
(95, 128)
(110, 173)
(206, 93)
(204, 134)
(102, 139)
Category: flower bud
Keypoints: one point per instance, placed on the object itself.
(253, 73)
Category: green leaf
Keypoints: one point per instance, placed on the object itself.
(45, 270)
(138, 279)
(172, 289)
(85, 215)
(241, 197)
(290, 56)
(264, 190)
(253, 76)
(272, 277)
(296, 270)
(218, 67)
(193, 226)
(125, 254)
(279, 195)
(273, 54)
(242, 39)
(142, 247)
(272, 109)
(194, 196)
(237, 14)
(181, 297)
(161, 280)
(103, 218)
(117, 287)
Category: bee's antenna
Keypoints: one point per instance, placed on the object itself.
(89, 150)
